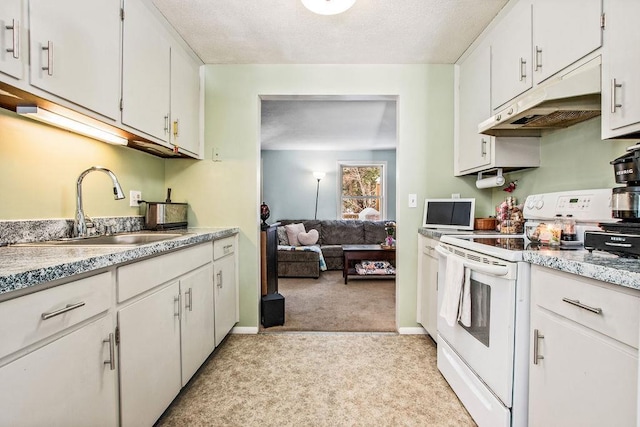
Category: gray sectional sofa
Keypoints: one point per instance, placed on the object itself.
(332, 235)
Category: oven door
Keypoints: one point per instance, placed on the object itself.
(487, 346)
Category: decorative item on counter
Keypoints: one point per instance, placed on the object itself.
(511, 186)
(510, 217)
(569, 230)
(265, 213)
(389, 241)
(484, 223)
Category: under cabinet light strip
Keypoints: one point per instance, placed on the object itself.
(45, 116)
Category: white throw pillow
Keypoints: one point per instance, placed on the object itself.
(292, 233)
(309, 238)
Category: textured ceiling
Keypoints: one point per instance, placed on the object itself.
(333, 125)
(371, 32)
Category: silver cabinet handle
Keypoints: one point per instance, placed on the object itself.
(15, 46)
(177, 300)
(523, 69)
(189, 301)
(537, 336)
(112, 352)
(583, 306)
(49, 49)
(537, 63)
(219, 277)
(483, 148)
(614, 86)
(166, 124)
(227, 249)
(55, 313)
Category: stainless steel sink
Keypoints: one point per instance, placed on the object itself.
(127, 239)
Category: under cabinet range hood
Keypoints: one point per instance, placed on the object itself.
(559, 103)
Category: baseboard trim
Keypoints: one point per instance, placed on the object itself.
(244, 330)
(412, 331)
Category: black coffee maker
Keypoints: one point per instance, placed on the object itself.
(621, 238)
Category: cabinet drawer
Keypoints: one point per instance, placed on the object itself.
(223, 247)
(134, 279)
(429, 247)
(22, 318)
(559, 292)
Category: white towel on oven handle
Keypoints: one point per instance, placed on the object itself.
(453, 282)
(464, 311)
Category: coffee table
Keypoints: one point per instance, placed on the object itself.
(353, 253)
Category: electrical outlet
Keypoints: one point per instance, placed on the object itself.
(413, 200)
(455, 195)
(134, 198)
(215, 154)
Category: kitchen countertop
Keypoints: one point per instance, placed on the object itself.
(23, 267)
(597, 265)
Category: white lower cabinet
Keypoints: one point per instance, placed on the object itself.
(584, 345)
(428, 285)
(68, 382)
(149, 356)
(166, 330)
(226, 286)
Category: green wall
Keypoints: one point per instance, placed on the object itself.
(227, 192)
(40, 164)
(575, 158)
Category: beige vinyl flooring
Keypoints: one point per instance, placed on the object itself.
(319, 379)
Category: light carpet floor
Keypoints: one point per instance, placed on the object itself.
(328, 305)
(315, 379)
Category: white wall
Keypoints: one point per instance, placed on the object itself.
(228, 192)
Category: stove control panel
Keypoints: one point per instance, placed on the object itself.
(582, 205)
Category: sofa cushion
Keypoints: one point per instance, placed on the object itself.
(329, 251)
(309, 224)
(282, 236)
(292, 233)
(337, 232)
(308, 238)
(374, 232)
(298, 256)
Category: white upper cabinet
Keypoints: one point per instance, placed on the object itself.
(511, 55)
(474, 106)
(75, 51)
(563, 32)
(12, 38)
(185, 101)
(620, 65)
(146, 75)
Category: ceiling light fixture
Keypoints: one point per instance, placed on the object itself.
(45, 116)
(328, 7)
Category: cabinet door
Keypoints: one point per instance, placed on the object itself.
(81, 62)
(185, 101)
(226, 294)
(585, 378)
(474, 106)
(65, 382)
(620, 65)
(431, 302)
(145, 72)
(197, 320)
(12, 13)
(511, 55)
(563, 32)
(149, 356)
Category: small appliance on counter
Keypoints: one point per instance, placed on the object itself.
(165, 215)
(622, 237)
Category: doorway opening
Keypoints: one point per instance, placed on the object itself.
(328, 163)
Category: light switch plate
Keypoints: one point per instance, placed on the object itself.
(413, 200)
(455, 195)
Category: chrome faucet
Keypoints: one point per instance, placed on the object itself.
(80, 225)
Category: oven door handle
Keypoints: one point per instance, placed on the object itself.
(494, 270)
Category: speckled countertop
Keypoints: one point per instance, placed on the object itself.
(28, 266)
(597, 265)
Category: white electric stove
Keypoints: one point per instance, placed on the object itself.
(487, 363)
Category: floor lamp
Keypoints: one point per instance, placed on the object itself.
(318, 176)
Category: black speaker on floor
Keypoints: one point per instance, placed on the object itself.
(272, 310)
